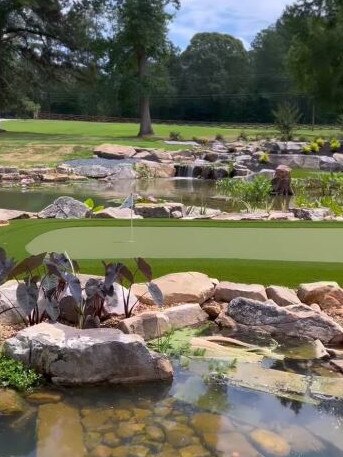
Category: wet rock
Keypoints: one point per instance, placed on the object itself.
(227, 291)
(89, 356)
(311, 214)
(62, 421)
(96, 420)
(270, 442)
(101, 451)
(42, 396)
(129, 429)
(121, 451)
(178, 435)
(194, 451)
(178, 288)
(114, 151)
(296, 321)
(116, 213)
(231, 444)
(92, 439)
(155, 433)
(282, 296)
(111, 439)
(155, 170)
(11, 402)
(301, 440)
(65, 208)
(211, 423)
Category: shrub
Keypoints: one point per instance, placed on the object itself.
(331, 204)
(287, 116)
(307, 149)
(335, 145)
(15, 375)
(220, 137)
(314, 147)
(264, 158)
(320, 142)
(252, 194)
(175, 136)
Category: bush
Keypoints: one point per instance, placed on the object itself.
(307, 149)
(287, 117)
(220, 137)
(314, 147)
(243, 136)
(15, 375)
(335, 145)
(264, 158)
(320, 142)
(175, 136)
(253, 194)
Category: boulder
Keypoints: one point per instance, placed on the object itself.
(155, 170)
(116, 213)
(328, 296)
(114, 151)
(311, 214)
(267, 318)
(227, 291)
(157, 210)
(8, 303)
(282, 296)
(187, 315)
(149, 325)
(178, 288)
(65, 208)
(12, 214)
(329, 164)
(309, 162)
(288, 147)
(307, 292)
(69, 356)
(99, 168)
(339, 158)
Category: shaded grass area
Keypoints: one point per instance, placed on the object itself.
(15, 237)
(43, 141)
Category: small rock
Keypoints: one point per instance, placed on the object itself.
(282, 296)
(44, 397)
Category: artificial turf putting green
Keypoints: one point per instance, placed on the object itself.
(19, 234)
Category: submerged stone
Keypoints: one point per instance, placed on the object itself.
(271, 443)
(62, 421)
(11, 402)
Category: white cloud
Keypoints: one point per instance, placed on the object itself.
(241, 18)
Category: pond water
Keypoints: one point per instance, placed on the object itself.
(187, 191)
(188, 418)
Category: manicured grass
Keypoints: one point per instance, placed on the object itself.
(15, 237)
(33, 142)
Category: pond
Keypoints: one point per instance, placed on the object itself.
(189, 418)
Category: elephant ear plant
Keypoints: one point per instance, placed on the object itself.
(48, 283)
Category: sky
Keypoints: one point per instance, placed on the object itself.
(240, 18)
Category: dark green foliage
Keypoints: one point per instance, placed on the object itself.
(15, 375)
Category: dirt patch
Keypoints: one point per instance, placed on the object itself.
(7, 331)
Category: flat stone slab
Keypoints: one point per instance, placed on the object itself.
(69, 356)
(12, 214)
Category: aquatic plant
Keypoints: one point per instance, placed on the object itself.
(252, 194)
(15, 375)
(92, 206)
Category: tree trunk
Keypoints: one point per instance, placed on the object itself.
(144, 102)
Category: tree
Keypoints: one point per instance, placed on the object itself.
(214, 72)
(315, 56)
(37, 36)
(141, 41)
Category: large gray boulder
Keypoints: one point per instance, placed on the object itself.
(296, 321)
(69, 356)
(65, 208)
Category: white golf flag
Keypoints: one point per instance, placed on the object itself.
(129, 202)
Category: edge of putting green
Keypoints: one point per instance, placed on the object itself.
(19, 233)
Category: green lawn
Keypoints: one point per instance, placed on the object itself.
(32, 142)
(15, 237)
